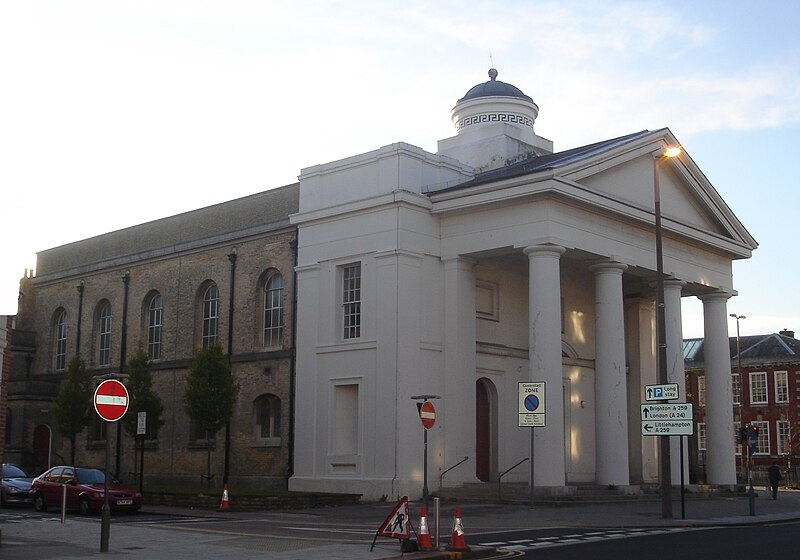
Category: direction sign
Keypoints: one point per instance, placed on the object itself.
(531, 404)
(670, 411)
(427, 413)
(666, 392)
(667, 428)
(111, 400)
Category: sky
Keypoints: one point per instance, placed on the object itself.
(115, 113)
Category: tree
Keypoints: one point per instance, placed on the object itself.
(72, 407)
(142, 399)
(210, 393)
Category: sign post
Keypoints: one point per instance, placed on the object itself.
(531, 413)
(427, 415)
(141, 431)
(111, 404)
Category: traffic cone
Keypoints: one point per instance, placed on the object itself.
(424, 537)
(224, 505)
(457, 542)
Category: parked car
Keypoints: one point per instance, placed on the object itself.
(16, 486)
(85, 487)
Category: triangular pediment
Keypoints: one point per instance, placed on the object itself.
(690, 205)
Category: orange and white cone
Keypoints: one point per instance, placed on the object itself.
(424, 536)
(224, 505)
(457, 542)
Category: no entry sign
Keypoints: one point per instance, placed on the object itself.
(111, 400)
(427, 413)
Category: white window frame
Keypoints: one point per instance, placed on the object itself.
(701, 436)
(273, 310)
(762, 444)
(737, 426)
(781, 386)
(210, 318)
(783, 430)
(155, 323)
(736, 385)
(351, 301)
(760, 375)
(701, 390)
(104, 335)
(60, 362)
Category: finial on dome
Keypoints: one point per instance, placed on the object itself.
(492, 74)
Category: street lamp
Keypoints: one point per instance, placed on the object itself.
(661, 330)
(746, 443)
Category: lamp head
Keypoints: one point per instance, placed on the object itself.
(673, 151)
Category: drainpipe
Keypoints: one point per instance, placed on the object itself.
(122, 349)
(292, 362)
(80, 313)
(232, 259)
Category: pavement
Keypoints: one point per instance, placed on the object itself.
(346, 532)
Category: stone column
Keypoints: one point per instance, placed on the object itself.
(676, 371)
(721, 464)
(544, 357)
(611, 415)
(458, 404)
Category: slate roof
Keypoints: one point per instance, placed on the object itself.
(556, 160)
(760, 349)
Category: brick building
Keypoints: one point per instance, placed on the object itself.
(6, 325)
(169, 287)
(766, 395)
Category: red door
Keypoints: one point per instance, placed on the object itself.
(41, 446)
(482, 433)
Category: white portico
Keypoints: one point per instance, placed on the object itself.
(491, 262)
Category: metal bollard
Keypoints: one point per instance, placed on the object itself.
(436, 516)
(63, 503)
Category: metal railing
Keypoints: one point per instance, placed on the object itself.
(444, 472)
(500, 479)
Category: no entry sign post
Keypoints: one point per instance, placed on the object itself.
(111, 403)
(427, 414)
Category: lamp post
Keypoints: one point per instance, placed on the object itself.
(750, 493)
(661, 330)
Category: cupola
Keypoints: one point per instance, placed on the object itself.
(494, 126)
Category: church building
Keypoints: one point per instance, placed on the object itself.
(457, 275)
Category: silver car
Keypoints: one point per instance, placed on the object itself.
(16, 487)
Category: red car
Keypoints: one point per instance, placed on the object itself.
(85, 489)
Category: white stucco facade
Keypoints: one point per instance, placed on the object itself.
(489, 263)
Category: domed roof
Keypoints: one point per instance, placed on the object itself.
(494, 88)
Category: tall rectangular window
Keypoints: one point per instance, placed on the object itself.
(351, 300)
(736, 382)
(154, 324)
(61, 342)
(210, 315)
(701, 390)
(762, 443)
(345, 429)
(784, 446)
(737, 426)
(104, 356)
(781, 387)
(273, 310)
(701, 436)
(758, 388)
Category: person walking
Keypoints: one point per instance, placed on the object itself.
(774, 473)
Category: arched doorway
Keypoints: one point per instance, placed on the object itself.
(41, 446)
(485, 438)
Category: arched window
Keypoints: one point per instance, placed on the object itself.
(210, 315)
(104, 335)
(60, 339)
(267, 410)
(273, 310)
(155, 314)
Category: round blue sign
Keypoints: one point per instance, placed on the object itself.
(531, 402)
